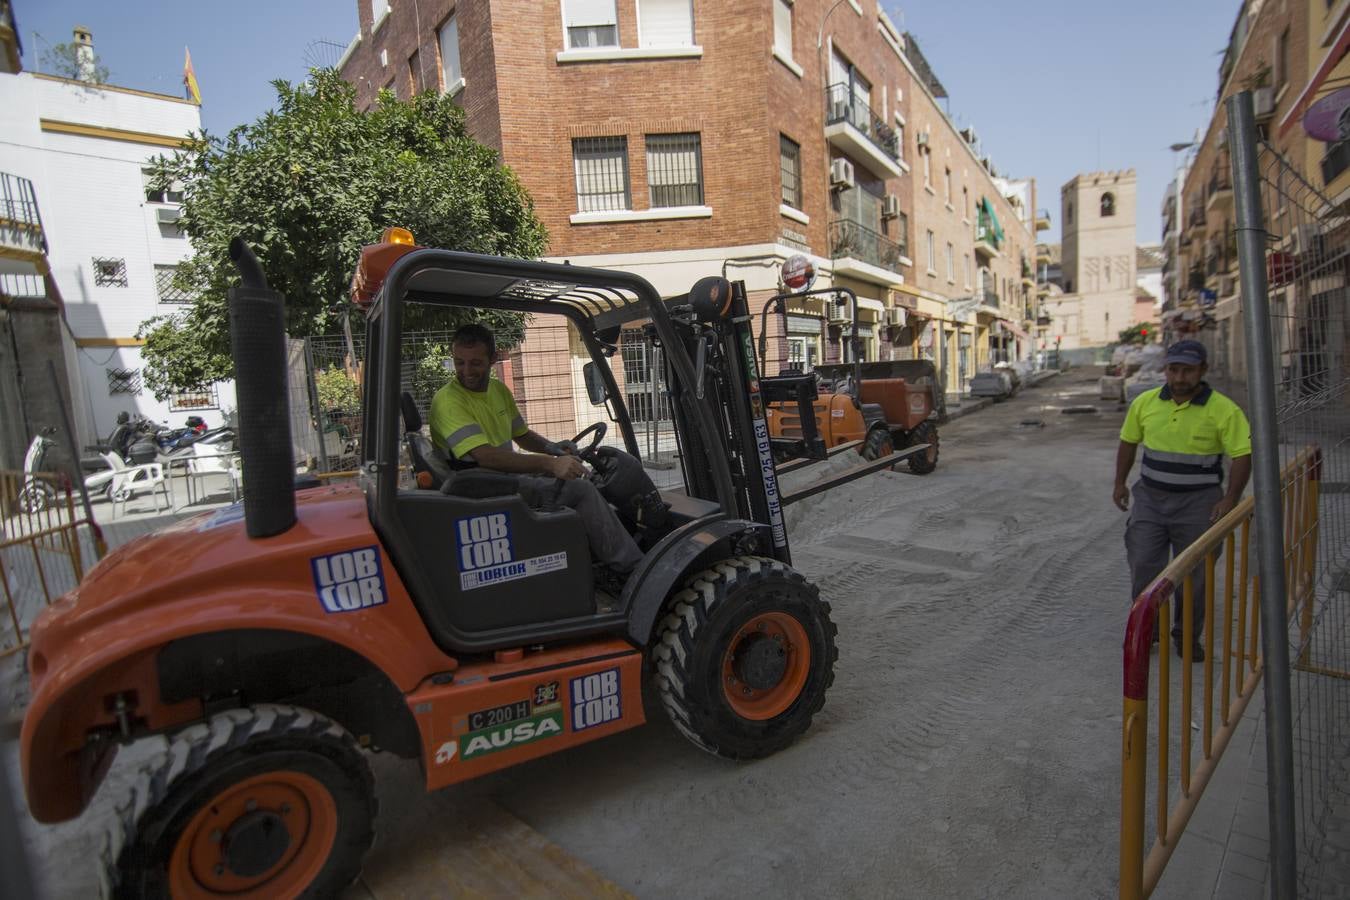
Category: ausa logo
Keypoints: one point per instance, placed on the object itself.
(512, 734)
(350, 580)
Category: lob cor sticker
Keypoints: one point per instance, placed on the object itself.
(349, 580)
(595, 699)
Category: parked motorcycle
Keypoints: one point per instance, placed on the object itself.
(37, 493)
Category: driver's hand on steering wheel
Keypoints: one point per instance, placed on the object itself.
(566, 467)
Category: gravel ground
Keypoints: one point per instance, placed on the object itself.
(970, 744)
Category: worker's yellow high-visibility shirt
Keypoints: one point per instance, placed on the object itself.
(1184, 443)
(463, 420)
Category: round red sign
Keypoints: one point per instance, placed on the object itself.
(798, 273)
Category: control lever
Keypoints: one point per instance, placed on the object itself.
(700, 365)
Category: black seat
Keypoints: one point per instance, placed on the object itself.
(429, 464)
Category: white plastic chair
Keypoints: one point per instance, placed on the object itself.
(203, 463)
(127, 480)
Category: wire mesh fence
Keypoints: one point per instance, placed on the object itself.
(544, 374)
(1308, 272)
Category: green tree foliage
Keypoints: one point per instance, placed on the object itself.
(306, 186)
(1138, 334)
(64, 60)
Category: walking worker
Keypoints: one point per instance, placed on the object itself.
(1186, 428)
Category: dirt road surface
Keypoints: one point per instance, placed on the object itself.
(970, 744)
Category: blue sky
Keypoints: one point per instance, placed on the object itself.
(1053, 87)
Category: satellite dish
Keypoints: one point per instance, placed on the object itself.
(321, 54)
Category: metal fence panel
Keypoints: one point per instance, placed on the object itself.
(1308, 268)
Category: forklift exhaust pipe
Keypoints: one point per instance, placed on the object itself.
(258, 342)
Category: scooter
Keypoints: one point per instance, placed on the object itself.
(37, 493)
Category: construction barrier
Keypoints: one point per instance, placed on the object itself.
(1227, 550)
(44, 549)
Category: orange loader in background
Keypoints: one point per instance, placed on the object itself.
(877, 407)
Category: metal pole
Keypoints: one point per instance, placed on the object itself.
(313, 390)
(1251, 240)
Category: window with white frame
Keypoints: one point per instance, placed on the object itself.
(790, 167)
(900, 140)
(927, 167)
(932, 253)
(782, 27)
(966, 260)
(601, 165)
(674, 169)
(378, 10)
(665, 23)
(448, 38)
(951, 263)
(947, 184)
(590, 23)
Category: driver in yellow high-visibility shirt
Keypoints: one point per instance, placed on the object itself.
(475, 418)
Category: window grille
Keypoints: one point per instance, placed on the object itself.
(124, 381)
(110, 272)
(675, 169)
(601, 166)
(790, 165)
(204, 398)
(164, 286)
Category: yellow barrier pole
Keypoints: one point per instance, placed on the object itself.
(1144, 613)
(1187, 642)
(1209, 653)
(1164, 713)
(1241, 649)
(1226, 694)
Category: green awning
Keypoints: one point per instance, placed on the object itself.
(993, 219)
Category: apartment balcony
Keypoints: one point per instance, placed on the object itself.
(986, 238)
(852, 127)
(1220, 193)
(859, 252)
(1196, 219)
(21, 235)
(1042, 254)
(1042, 219)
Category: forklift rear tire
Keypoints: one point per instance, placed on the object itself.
(270, 801)
(878, 444)
(923, 463)
(744, 656)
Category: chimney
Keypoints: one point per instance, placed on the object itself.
(84, 53)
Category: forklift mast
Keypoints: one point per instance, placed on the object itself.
(727, 384)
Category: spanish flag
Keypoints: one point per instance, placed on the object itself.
(194, 93)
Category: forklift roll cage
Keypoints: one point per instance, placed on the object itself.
(725, 467)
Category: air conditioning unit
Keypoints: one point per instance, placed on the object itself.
(1263, 102)
(922, 139)
(168, 215)
(1227, 286)
(839, 111)
(891, 208)
(897, 316)
(841, 174)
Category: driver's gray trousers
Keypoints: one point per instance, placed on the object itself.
(611, 543)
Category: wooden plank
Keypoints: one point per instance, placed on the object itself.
(482, 851)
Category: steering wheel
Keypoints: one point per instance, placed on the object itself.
(599, 428)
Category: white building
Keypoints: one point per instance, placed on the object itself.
(112, 244)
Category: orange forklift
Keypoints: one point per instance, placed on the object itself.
(273, 642)
(873, 407)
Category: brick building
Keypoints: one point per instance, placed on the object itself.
(681, 138)
(1268, 52)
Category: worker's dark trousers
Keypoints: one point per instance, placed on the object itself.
(1162, 524)
(610, 542)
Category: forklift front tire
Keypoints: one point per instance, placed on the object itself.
(269, 801)
(744, 656)
(879, 443)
